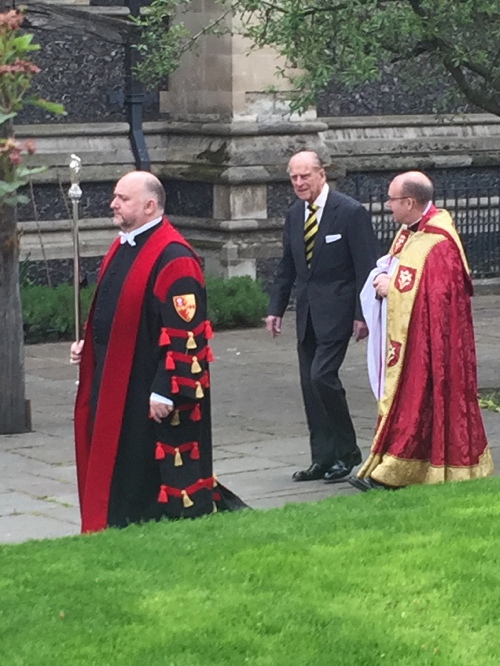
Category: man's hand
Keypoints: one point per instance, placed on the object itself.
(273, 325)
(359, 330)
(159, 410)
(381, 285)
(75, 352)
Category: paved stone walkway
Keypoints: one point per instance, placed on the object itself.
(259, 431)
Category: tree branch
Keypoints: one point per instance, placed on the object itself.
(486, 102)
(206, 29)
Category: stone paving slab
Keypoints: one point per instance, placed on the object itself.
(27, 526)
(63, 514)
(16, 503)
(260, 437)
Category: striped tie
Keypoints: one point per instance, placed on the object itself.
(310, 231)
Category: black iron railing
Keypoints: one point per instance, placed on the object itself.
(477, 217)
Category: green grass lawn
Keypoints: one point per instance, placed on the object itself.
(394, 578)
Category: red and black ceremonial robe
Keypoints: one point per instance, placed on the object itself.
(97, 441)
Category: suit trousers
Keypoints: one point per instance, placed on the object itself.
(332, 435)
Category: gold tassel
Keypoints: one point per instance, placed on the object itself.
(214, 510)
(176, 419)
(186, 501)
(195, 366)
(199, 391)
(190, 342)
(177, 458)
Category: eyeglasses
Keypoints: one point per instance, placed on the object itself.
(396, 198)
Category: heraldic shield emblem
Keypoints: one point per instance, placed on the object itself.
(400, 242)
(185, 306)
(405, 279)
(394, 353)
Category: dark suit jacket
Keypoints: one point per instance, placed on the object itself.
(328, 292)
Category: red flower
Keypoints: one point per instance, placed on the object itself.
(15, 157)
(10, 20)
(12, 148)
(29, 147)
(19, 67)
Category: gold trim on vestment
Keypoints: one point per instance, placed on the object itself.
(398, 472)
(413, 256)
(399, 311)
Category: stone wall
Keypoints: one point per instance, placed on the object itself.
(227, 186)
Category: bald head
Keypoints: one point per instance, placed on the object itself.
(138, 198)
(416, 185)
(409, 193)
(149, 184)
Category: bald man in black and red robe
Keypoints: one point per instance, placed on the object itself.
(142, 414)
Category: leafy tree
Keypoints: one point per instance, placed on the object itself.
(16, 72)
(347, 40)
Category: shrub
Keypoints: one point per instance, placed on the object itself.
(48, 313)
(238, 302)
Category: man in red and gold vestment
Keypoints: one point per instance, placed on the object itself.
(422, 360)
(142, 414)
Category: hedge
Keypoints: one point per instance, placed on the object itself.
(48, 313)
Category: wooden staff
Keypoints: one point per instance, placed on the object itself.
(75, 194)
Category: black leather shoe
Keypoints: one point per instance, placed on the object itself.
(338, 472)
(315, 471)
(367, 484)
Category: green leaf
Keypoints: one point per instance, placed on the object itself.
(24, 172)
(4, 117)
(9, 188)
(14, 199)
(23, 43)
(51, 107)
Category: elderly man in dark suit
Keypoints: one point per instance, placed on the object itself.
(329, 248)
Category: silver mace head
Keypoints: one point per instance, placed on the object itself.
(75, 167)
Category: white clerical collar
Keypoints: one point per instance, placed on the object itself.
(129, 237)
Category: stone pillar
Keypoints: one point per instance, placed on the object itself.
(222, 80)
(225, 82)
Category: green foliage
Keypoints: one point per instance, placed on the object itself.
(51, 107)
(163, 40)
(406, 578)
(48, 313)
(235, 303)
(160, 55)
(325, 40)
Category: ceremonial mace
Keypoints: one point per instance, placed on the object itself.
(75, 194)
